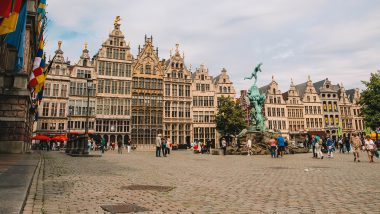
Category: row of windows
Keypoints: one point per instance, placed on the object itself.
(148, 69)
(53, 126)
(202, 87)
(80, 125)
(313, 110)
(113, 106)
(359, 125)
(276, 124)
(175, 109)
(51, 109)
(203, 101)
(115, 53)
(308, 99)
(275, 112)
(224, 89)
(58, 70)
(114, 69)
(296, 125)
(83, 74)
(177, 132)
(151, 100)
(112, 125)
(146, 118)
(54, 91)
(177, 90)
(328, 95)
(345, 111)
(330, 106)
(80, 89)
(175, 74)
(357, 112)
(295, 113)
(275, 99)
(80, 107)
(204, 134)
(147, 83)
(114, 87)
(314, 123)
(331, 121)
(203, 117)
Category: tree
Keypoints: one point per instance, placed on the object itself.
(370, 101)
(230, 117)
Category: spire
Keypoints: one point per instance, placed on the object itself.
(308, 78)
(176, 48)
(272, 77)
(291, 82)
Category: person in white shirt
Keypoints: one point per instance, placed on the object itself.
(370, 147)
(168, 145)
(249, 146)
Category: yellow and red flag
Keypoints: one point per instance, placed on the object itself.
(8, 24)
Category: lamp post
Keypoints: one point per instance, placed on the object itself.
(69, 145)
(89, 87)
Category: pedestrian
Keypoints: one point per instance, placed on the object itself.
(273, 147)
(129, 144)
(89, 145)
(356, 146)
(208, 145)
(104, 144)
(168, 146)
(340, 144)
(313, 142)
(329, 144)
(164, 147)
(318, 147)
(158, 145)
(249, 146)
(347, 144)
(113, 145)
(119, 146)
(224, 146)
(281, 145)
(370, 147)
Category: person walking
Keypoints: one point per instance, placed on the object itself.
(224, 146)
(281, 145)
(104, 144)
(273, 147)
(329, 144)
(356, 144)
(208, 146)
(313, 142)
(129, 144)
(318, 147)
(340, 144)
(370, 147)
(158, 145)
(249, 146)
(163, 145)
(347, 144)
(168, 145)
(119, 146)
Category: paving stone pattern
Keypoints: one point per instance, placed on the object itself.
(210, 183)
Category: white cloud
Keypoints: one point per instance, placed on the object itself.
(293, 38)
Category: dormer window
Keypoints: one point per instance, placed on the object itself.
(202, 77)
(84, 62)
(224, 80)
(327, 86)
(110, 42)
(176, 65)
(172, 64)
(274, 91)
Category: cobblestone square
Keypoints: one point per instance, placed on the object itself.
(209, 183)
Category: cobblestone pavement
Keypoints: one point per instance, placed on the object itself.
(210, 184)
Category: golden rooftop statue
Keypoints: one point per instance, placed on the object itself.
(85, 45)
(117, 20)
(59, 44)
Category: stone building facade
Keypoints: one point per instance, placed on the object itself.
(16, 114)
(53, 109)
(275, 108)
(295, 111)
(204, 105)
(83, 81)
(147, 95)
(113, 66)
(177, 99)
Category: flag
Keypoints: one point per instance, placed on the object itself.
(9, 23)
(340, 131)
(17, 38)
(37, 74)
(6, 8)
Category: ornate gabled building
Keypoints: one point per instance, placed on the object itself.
(357, 119)
(328, 94)
(147, 95)
(275, 108)
(312, 104)
(113, 64)
(204, 105)
(54, 107)
(223, 85)
(177, 99)
(82, 89)
(295, 111)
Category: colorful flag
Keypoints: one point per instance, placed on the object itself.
(36, 76)
(6, 8)
(9, 23)
(17, 38)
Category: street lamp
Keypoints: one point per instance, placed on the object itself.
(69, 145)
(89, 88)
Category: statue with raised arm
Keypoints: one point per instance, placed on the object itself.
(254, 73)
(256, 100)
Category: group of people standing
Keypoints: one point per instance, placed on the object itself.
(277, 146)
(164, 145)
(358, 145)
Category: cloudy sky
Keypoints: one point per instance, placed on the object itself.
(338, 39)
